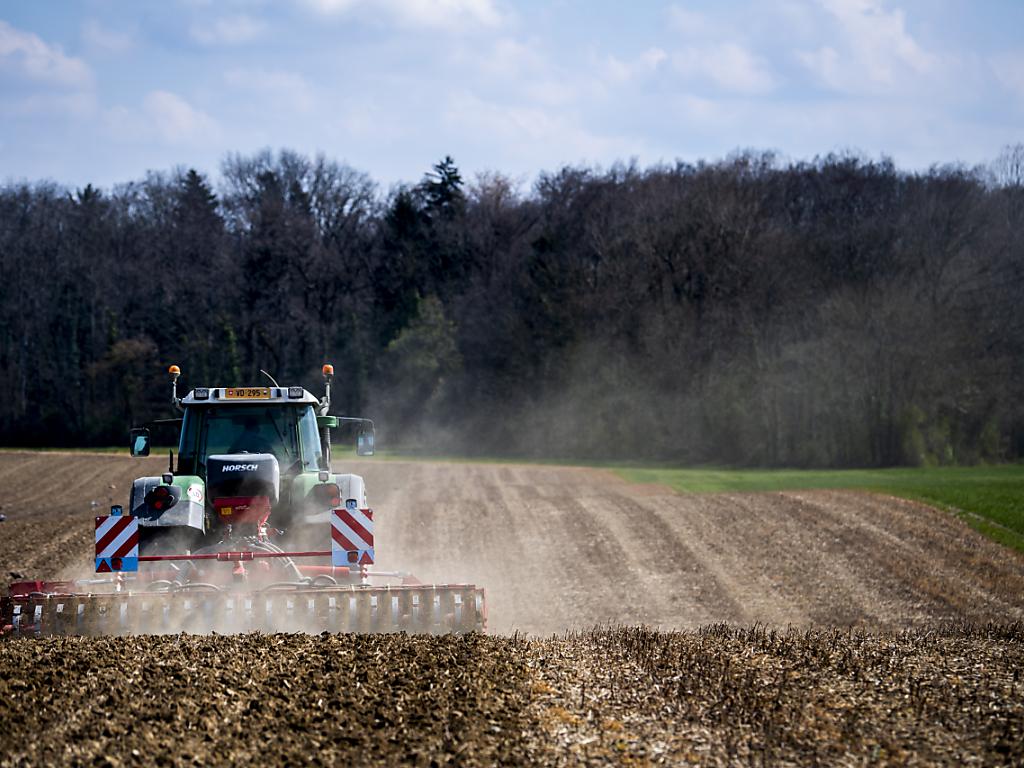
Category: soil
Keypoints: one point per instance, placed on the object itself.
(719, 696)
(569, 548)
(811, 627)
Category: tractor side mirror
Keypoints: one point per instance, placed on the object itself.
(364, 443)
(139, 442)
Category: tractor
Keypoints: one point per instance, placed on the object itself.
(249, 530)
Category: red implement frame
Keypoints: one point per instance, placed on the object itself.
(231, 557)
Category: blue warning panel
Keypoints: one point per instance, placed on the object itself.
(117, 564)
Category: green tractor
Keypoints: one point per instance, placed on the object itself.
(251, 530)
(242, 452)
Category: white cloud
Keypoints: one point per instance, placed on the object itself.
(95, 35)
(441, 13)
(513, 67)
(230, 30)
(275, 86)
(436, 14)
(713, 52)
(543, 138)
(331, 6)
(648, 62)
(825, 64)
(164, 116)
(877, 49)
(59, 104)
(551, 92)
(507, 57)
(525, 123)
(175, 119)
(1009, 70)
(727, 65)
(27, 55)
(367, 119)
(708, 111)
(691, 24)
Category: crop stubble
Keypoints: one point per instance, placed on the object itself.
(558, 549)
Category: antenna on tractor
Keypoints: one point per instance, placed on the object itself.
(175, 372)
(272, 380)
(325, 403)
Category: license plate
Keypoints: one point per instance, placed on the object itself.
(247, 393)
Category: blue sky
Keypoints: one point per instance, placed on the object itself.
(101, 90)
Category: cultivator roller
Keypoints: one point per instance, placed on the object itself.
(246, 584)
(421, 609)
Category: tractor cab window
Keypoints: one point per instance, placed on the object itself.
(281, 431)
(309, 436)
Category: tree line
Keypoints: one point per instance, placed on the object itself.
(837, 312)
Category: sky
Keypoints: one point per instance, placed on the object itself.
(102, 91)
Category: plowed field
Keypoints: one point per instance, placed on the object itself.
(884, 631)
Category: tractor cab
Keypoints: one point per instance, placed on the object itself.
(247, 457)
(284, 427)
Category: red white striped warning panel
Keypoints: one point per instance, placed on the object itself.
(352, 536)
(117, 543)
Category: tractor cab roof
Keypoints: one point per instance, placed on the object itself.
(248, 395)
